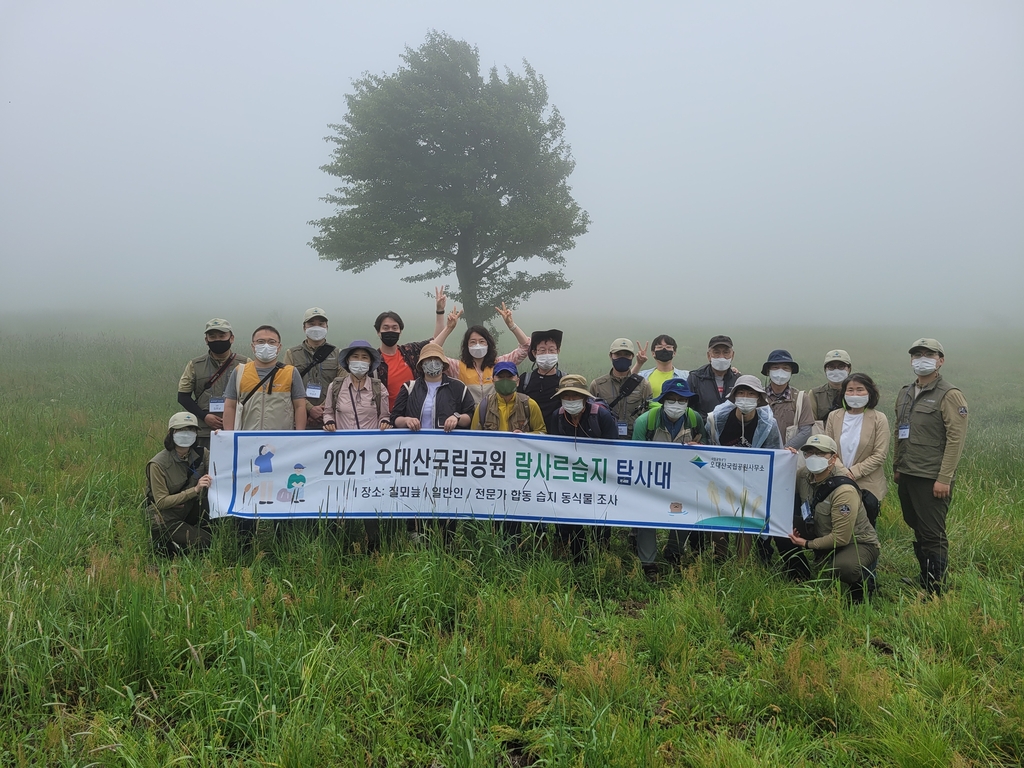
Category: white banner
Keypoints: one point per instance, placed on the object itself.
(501, 476)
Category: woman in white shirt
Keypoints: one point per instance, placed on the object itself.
(862, 433)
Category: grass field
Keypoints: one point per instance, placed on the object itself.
(314, 654)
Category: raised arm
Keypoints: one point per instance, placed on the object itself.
(453, 320)
(506, 315)
(439, 301)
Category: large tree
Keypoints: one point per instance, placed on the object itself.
(453, 173)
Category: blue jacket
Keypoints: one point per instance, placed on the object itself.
(765, 436)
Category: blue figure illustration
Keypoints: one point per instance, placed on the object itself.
(264, 467)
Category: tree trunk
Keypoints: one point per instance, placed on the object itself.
(468, 282)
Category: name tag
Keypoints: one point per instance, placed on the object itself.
(216, 405)
(623, 428)
(313, 390)
(805, 510)
(904, 432)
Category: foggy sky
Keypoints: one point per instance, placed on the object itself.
(740, 159)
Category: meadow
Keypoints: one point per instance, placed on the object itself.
(313, 653)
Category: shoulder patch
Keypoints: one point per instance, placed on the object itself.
(963, 410)
(844, 509)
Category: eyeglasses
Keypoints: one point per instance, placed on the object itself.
(275, 342)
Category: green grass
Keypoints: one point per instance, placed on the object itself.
(314, 654)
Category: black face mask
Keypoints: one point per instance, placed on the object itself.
(622, 364)
(219, 347)
(389, 338)
(663, 355)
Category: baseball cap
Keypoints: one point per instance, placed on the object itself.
(678, 387)
(823, 443)
(182, 420)
(838, 356)
(720, 341)
(930, 344)
(505, 367)
(313, 312)
(218, 324)
(622, 345)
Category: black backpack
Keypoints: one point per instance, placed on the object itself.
(870, 501)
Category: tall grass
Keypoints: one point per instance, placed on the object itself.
(314, 654)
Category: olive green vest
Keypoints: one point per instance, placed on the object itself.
(518, 417)
(920, 455)
(205, 367)
(322, 373)
(178, 480)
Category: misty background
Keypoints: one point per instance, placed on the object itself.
(159, 164)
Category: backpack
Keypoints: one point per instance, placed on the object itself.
(482, 410)
(692, 418)
(595, 408)
(375, 388)
(871, 504)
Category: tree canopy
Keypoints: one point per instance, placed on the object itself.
(454, 173)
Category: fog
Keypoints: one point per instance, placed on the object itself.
(798, 162)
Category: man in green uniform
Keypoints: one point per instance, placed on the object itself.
(317, 362)
(177, 480)
(627, 395)
(825, 399)
(931, 425)
(201, 388)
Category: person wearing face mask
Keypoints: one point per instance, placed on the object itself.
(671, 421)
(579, 416)
(271, 395)
(508, 411)
(789, 405)
(201, 388)
(931, 426)
(663, 349)
(834, 519)
(433, 401)
(744, 420)
(356, 400)
(398, 361)
(177, 480)
(827, 397)
(475, 365)
(541, 382)
(712, 383)
(317, 362)
(626, 395)
(862, 434)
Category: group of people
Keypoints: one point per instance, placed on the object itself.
(842, 439)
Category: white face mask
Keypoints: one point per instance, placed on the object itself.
(266, 353)
(836, 375)
(478, 350)
(316, 333)
(857, 401)
(746, 404)
(572, 407)
(547, 362)
(721, 364)
(184, 438)
(780, 376)
(432, 367)
(924, 365)
(816, 463)
(674, 409)
(358, 367)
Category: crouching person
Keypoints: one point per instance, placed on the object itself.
(176, 482)
(843, 541)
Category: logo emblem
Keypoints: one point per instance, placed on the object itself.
(699, 462)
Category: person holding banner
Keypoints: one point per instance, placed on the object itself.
(177, 479)
(835, 522)
(434, 401)
(746, 420)
(356, 400)
(580, 415)
(509, 411)
(670, 421)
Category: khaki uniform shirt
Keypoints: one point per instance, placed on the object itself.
(629, 408)
(321, 374)
(935, 419)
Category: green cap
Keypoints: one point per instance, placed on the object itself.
(930, 344)
(218, 324)
(823, 443)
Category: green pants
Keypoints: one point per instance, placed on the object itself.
(926, 517)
